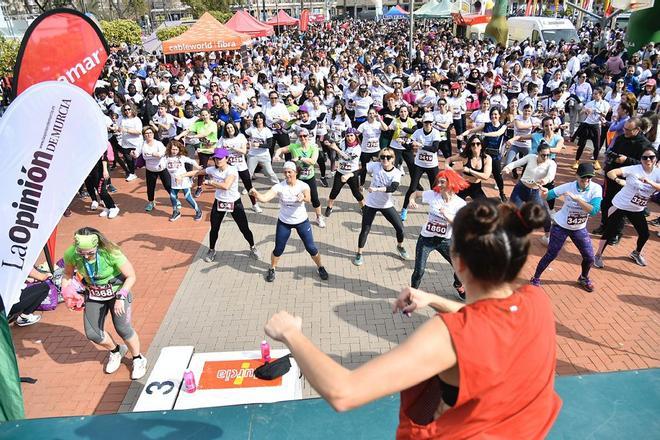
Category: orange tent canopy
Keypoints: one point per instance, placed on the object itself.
(245, 23)
(206, 35)
(282, 19)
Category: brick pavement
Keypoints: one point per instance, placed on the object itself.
(223, 306)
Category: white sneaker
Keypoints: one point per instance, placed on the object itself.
(29, 319)
(104, 213)
(94, 206)
(139, 368)
(321, 222)
(244, 192)
(113, 212)
(256, 208)
(114, 359)
(545, 240)
(131, 177)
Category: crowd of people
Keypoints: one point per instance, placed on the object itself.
(343, 104)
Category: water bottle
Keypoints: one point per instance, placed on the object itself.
(189, 384)
(265, 351)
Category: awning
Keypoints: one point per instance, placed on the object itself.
(245, 23)
(206, 35)
(282, 19)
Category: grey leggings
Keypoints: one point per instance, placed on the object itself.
(94, 319)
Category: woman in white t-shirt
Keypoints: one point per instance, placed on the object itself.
(385, 179)
(236, 143)
(260, 141)
(639, 183)
(175, 162)
(371, 130)
(349, 164)
(436, 232)
(130, 127)
(292, 194)
(224, 178)
(582, 199)
(153, 152)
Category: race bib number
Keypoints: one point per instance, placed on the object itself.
(639, 200)
(437, 228)
(257, 143)
(443, 136)
(576, 218)
(306, 172)
(456, 112)
(345, 166)
(425, 157)
(101, 293)
(225, 206)
(233, 160)
(372, 143)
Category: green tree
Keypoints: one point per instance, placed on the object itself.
(121, 31)
(223, 16)
(198, 7)
(166, 33)
(8, 54)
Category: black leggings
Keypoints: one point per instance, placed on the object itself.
(97, 185)
(280, 140)
(365, 158)
(239, 217)
(445, 147)
(586, 132)
(313, 191)
(368, 216)
(152, 177)
(247, 183)
(637, 219)
(129, 160)
(324, 153)
(337, 185)
(417, 173)
(459, 128)
(116, 149)
(474, 191)
(497, 170)
(203, 162)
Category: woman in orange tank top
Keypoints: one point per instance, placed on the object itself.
(483, 369)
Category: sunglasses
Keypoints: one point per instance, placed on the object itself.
(86, 253)
(127, 109)
(474, 144)
(544, 155)
(302, 135)
(648, 157)
(386, 157)
(444, 90)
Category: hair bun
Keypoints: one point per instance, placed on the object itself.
(485, 218)
(531, 216)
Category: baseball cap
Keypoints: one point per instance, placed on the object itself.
(303, 109)
(352, 131)
(303, 131)
(650, 82)
(428, 117)
(455, 86)
(220, 153)
(586, 170)
(289, 166)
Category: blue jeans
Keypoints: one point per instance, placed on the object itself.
(426, 245)
(174, 194)
(522, 194)
(304, 230)
(514, 150)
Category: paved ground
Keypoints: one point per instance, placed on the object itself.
(223, 306)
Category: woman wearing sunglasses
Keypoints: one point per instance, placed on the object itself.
(108, 278)
(477, 167)
(581, 199)
(385, 179)
(639, 183)
(349, 164)
(436, 232)
(426, 141)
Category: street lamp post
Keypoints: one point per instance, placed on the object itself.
(412, 29)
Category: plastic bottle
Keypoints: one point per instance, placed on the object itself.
(265, 351)
(189, 384)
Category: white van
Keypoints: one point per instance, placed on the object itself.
(545, 29)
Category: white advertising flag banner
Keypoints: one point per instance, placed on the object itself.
(50, 138)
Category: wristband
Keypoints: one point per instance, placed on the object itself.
(122, 294)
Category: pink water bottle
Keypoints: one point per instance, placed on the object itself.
(189, 384)
(265, 351)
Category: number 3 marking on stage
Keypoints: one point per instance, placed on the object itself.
(160, 385)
